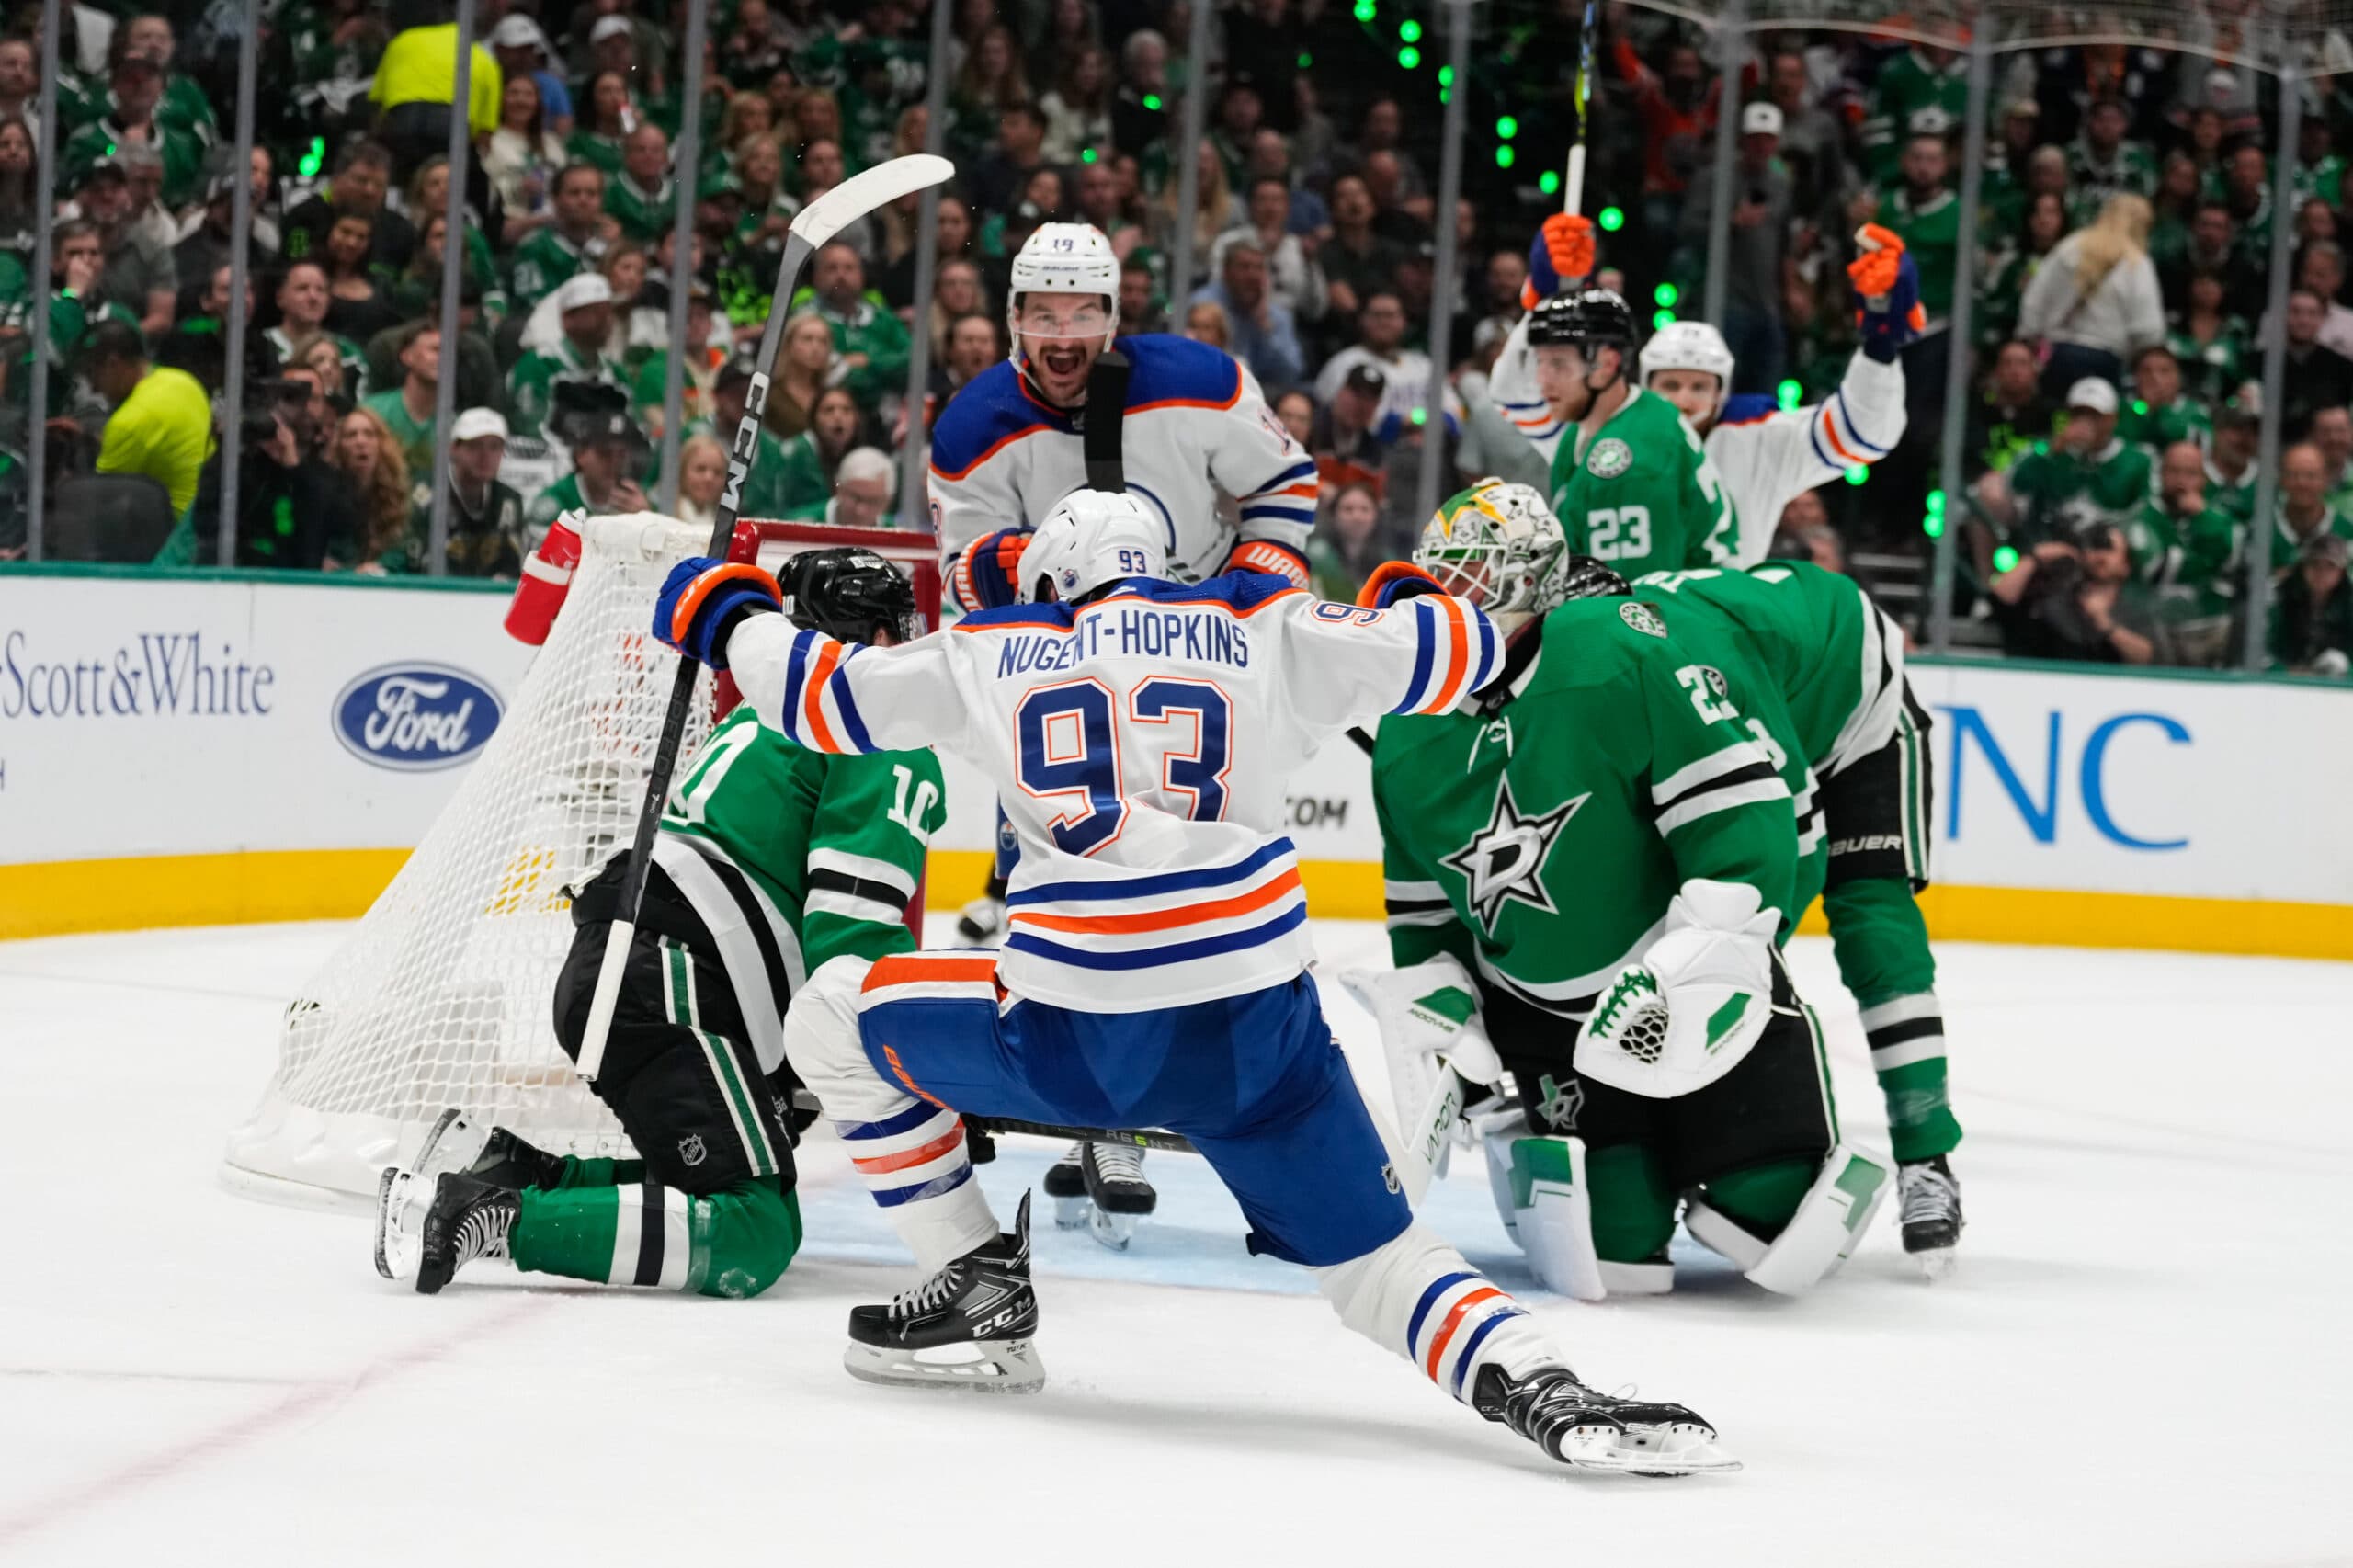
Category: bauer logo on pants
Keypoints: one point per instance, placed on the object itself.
(416, 718)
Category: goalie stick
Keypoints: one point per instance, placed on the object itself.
(817, 222)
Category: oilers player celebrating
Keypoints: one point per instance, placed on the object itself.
(1764, 456)
(1139, 732)
(1589, 867)
(1007, 448)
(771, 859)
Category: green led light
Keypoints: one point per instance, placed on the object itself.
(1421, 416)
(1612, 218)
(1410, 31)
(1152, 102)
(1788, 394)
(1935, 502)
(2139, 406)
(1409, 57)
(315, 157)
(1306, 60)
(1364, 10)
(1857, 473)
(1933, 528)
(1663, 319)
(1446, 75)
(1506, 128)
(1444, 94)
(2005, 558)
(1087, 154)
(1664, 294)
(1504, 156)
(1549, 182)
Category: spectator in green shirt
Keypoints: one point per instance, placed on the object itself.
(2159, 413)
(2312, 621)
(871, 341)
(806, 475)
(161, 425)
(642, 197)
(407, 409)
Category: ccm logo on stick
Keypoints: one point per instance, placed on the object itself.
(416, 718)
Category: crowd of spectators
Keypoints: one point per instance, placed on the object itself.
(2122, 254)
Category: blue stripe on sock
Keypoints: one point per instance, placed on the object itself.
(1152, 958)
(1150, 887)
(1438, 1286)
(892, 1197)
(1478, 1335)
(907, 1120)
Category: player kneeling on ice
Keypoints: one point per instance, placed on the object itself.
(773, 857)
(1139, 731)
(1588, 865)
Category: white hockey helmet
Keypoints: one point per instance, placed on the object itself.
(1064, 259)
(1500, 547)
(1091, 539)
(1690, 346)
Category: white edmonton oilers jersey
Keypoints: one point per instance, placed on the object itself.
(1141, 746)
(1197, 424)
(1765, 455)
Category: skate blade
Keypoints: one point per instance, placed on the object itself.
(1658, 1453)
(1072, 1213)
(983, 1365)
(1113, 1230)
(391, 1191)
(1935, 1264)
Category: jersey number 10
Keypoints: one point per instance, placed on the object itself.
(1072, 739)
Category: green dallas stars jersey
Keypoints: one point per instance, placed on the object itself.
(1540, 840)
(2058, 494)
(792, 857)
(1641, 493)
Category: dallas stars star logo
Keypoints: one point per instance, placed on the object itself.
(1504, 860)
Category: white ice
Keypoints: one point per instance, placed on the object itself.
(2142, 1359)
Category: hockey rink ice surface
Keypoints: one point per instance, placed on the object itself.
(2142, 1359)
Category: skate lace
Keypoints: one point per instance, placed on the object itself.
(1929, 1194)
(483, 1233)
(1120, 1162)
(930, 1296)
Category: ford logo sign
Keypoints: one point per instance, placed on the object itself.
(416, 718)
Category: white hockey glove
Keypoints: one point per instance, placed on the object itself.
(1429, 1020)
(1685, 1015)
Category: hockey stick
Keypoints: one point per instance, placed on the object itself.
(1099, 438)
(1573, 187)
(1174, 1142)
(816, 224)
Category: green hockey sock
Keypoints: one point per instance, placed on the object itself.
(1761, 1199)
(734, 1243)
(1631, 1206)
(1883, 948)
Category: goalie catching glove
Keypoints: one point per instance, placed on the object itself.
(1694, 1004)
(703, 598)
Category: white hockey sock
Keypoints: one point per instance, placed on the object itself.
(1416, 1296)
(911, 1152)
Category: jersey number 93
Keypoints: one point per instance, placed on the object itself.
(1074, 740)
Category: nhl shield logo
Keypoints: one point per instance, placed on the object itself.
(690, 1148)
(1644, 618)
(1610, 456)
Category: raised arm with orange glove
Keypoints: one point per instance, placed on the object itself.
(1561, 258)
(1887, 293)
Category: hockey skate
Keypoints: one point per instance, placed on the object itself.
(428, 1231)
(460, 1142)
(1102, 1187)
(1930, 1195)
(1586, 1430)
(981, 924)
(967, 1326)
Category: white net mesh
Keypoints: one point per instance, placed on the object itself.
(442, 996)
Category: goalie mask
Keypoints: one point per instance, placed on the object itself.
(1497, 546)
(1093, 539)
(850, 594)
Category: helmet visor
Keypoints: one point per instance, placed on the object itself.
(1061, 318)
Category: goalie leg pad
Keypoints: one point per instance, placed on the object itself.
(1540, 1189)
(1835, 1211)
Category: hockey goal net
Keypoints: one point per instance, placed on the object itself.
(442, 994)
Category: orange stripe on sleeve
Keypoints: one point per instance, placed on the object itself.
(1830, 428)
(917, 969)
(1454, 1321)
(1166, 919)
(812, 690)
(1458, 654)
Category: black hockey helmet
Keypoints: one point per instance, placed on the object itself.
(847, 593)
(1587, 578)
(1587, 318)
